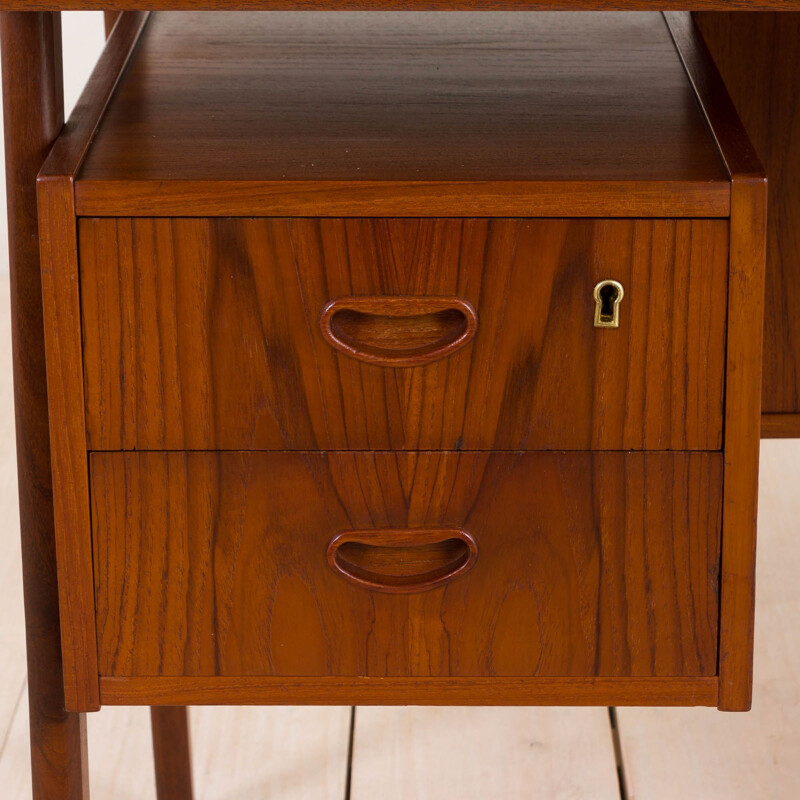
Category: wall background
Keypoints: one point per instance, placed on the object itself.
(83, 41)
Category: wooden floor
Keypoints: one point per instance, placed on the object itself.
(452, 753)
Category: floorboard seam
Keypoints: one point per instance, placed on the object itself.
(615, 738)
(349, 778)
(14, 712)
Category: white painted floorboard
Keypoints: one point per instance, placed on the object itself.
(15, 779)
(280, 753)
(238, 753)
(483, 754)
(12, 628)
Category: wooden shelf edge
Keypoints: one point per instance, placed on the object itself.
(410, 691)
(780, 426)
(70, 147)
(733, 143)
(402, 198)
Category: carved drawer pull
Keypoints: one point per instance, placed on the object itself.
(402, 561)
(398, 331)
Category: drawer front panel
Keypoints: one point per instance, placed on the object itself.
(471, 334)
(509, 564)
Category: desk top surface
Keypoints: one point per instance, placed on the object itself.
(412, 5)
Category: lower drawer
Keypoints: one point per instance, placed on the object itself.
(406, 564)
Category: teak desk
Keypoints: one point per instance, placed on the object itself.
(765, 45)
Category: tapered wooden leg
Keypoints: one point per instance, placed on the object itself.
(172, 751)
(33, 110)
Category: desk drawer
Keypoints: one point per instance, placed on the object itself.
(204, 334)
(406, 564)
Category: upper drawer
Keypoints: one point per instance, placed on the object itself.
(208, 334)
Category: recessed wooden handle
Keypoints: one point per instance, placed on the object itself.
(402, 561)
(398, 331)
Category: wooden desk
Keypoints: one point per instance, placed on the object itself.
(765, 46)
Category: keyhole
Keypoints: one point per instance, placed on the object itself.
(607, 297)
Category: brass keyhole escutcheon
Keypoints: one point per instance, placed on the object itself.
(607, 297)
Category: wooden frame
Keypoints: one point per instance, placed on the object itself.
(67, 437)
(33, 101)
(744, 357)
(780, 426)
(745, 309)
(33, 115)
(53, 778)
(59, 257)
(416, 691)
(407, 199)
(757, 55)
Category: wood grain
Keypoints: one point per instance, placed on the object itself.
(72, 144)
(286, 102)
(400, 561)
(742, 434)
(398, 331)
(402, 198)
(61, 314)
(738, 155)
(70, 472)
(255, 751)
(204, 334)
(509, 197)
(743, 366)
(604, 564)
(109, 20)
(758, 56)
(671, 753)
(779, 426)
(172, 753)
(33, 109)
(412, 691)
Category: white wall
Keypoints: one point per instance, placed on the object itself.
(83, 41)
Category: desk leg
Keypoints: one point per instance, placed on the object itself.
(33, 108)
(110, 18)
(172, 753)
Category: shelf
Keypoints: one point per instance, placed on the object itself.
(220, 106)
